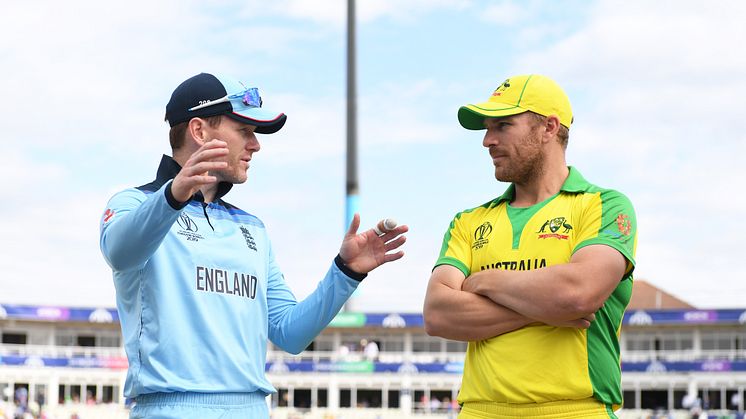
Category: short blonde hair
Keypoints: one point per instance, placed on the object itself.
(563, 135)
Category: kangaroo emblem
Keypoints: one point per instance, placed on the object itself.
(555, 224)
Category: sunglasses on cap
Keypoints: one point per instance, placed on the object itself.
(249, 97)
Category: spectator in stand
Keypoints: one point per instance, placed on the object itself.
(370, 349)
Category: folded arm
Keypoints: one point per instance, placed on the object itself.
(454, 314)
(556, 293)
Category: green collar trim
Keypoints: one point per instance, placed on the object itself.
(574, 183)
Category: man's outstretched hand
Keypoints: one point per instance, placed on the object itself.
(365, 251)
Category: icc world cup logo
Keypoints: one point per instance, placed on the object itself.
(186, 223)
(483, 231)
(480, 235)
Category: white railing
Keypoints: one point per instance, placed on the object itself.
(332, 356)
(336, 356)
(52, 351)
(444, 357)
(684, 355)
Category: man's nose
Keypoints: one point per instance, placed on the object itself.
(253, 144)
(489, 139)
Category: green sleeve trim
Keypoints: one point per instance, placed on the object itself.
(446, 260)
(450, 260)
(618, 228)
(604, 364)
(620, 247)
(447, 237)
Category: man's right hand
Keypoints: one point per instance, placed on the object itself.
(581, 323)
(195, 173)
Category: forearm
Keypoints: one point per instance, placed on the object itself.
(464, 316)
(551, 294)
(136, 228)
(293, 325)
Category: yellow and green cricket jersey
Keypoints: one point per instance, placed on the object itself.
(540, 363)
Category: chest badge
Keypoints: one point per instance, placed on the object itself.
(554, 225)
(248, 238)
(480, 235)
(188, 228)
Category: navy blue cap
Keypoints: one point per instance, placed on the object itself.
(202, 89)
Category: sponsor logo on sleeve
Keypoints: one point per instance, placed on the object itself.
(108, 215)
(624, 224)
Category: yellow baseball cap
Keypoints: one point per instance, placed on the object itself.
(532, 92)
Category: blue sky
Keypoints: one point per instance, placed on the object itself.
(657, 90)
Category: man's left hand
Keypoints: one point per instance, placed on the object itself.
(363, 252)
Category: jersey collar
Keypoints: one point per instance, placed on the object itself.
(574, 183)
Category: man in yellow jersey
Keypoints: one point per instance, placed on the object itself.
(537, 279)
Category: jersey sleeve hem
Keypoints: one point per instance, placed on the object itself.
(614, 245)
(347, 271)
(175, 204)
(446, 260)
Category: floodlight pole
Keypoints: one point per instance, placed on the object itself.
(352, 183)
(352, 201)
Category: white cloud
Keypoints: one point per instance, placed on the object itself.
(661, 116)
(396, 113)
(335, 12)
(57, 252)
(28, 173)
(314, 129)
(391, 115)
(506, 13)
(647, 43)
(100, 75)
(657, 89)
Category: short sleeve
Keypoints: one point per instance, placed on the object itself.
(456, 250)
(610, 220)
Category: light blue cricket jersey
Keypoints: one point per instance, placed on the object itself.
(199, 292)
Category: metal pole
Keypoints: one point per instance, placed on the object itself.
(352, 183)
(352, 201)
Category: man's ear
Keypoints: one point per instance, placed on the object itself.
(196, 130)
(552, 126)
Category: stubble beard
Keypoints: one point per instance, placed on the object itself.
(527, 165)
(232, 174)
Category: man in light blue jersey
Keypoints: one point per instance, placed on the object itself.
(199, 292)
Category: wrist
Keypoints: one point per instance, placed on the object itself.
(172, 200)
(475, 283)
(357, 276)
